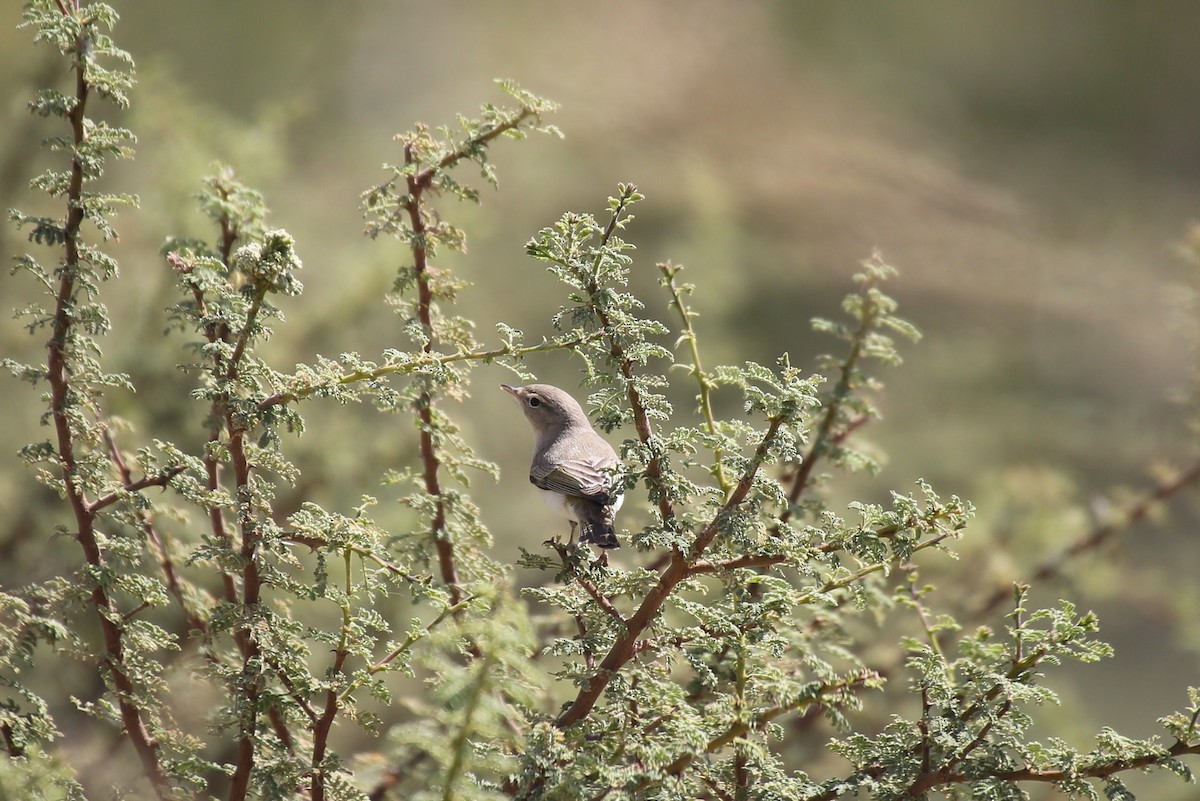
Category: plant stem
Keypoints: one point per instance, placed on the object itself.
(428, 360)
(62, 398)
(459, 747)
(676, 571)
(841, 391)
(1091, 540)
(251, 578)
(332, 696)
(641, 419)
(669, 272)
(403, 647)
(430, 462)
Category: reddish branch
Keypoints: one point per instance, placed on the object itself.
(251, 588)
(754, 560)
(251, 579)
(61, 392)
(768, 559)
(588, 586)
(677, 570)
(1056, 564)
(166, 564)
(924, 782)
(160, 480)
(641, 420)
(1099, 770)
(323, 726)
(417, 183)
(10, 743)
(216, 332)
(222, 424)
(826, 435)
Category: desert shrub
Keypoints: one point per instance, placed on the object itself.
(211, 646)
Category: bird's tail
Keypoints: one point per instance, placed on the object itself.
(596, 526)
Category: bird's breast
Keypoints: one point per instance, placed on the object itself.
(558, 504)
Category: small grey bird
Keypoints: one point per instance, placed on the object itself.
(572, 464)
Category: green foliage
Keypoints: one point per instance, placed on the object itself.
(329, 657)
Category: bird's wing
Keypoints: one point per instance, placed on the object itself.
(576, 477)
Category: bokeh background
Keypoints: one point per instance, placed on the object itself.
(1031, 169)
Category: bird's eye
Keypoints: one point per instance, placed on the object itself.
(535, 401)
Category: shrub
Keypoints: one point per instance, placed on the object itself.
(227, 649)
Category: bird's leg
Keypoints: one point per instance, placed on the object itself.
(570, 540)
(601, 560)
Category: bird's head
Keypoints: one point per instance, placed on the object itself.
(547, 407)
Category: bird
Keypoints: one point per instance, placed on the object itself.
(573, 466)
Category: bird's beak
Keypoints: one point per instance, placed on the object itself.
(510, 390)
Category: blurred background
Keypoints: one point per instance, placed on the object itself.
(1031, 170)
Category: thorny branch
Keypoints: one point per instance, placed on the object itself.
(416, 365)
(417, 183)
(641, 419)
(1053, 566)
(170, 572)
(703, 382)
(677, 570)
(584, 582)
(1098, 770)
(324, 723)
(826, 435)
(430, 462)
(62, 398)
(251, 578)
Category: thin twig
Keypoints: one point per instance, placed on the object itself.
(302, 702)
(846, 581)
(157, 543)
(1055, 565)
(588, 586)
(825, 433)
(160, 480)
(426, 360)
(753, 560)
(704, 383)
(589, 656)
(403, 647)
